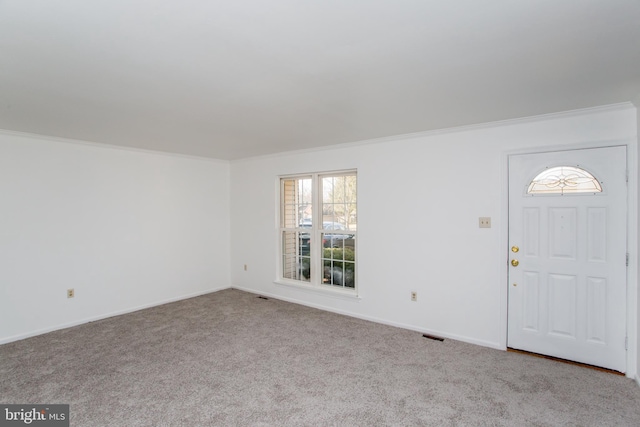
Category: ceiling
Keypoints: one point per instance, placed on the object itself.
(233, 79)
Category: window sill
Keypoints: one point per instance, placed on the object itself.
(320, 289)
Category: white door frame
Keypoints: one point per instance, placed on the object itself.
(632, 239)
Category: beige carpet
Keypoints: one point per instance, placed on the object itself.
(232, 359)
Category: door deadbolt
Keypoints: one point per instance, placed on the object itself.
(515, 262)
(514, 249)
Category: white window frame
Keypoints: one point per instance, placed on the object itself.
(316, 249)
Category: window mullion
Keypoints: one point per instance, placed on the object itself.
(316, 275)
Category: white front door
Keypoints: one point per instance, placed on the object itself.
(567, 265)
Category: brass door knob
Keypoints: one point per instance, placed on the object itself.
(515, 262)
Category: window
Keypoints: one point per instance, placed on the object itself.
(564, 180)
(318, 227)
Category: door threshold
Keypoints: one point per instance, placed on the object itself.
(568, 362)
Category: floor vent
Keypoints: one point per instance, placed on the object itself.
(261, 297)
(433, 337)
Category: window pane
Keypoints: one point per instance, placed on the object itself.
(289, 216)
(296, 202)
(564, 180)
(339, 202)
(295, 255)
(338, 260)
(352, 216)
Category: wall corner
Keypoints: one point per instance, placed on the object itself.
(636, 238)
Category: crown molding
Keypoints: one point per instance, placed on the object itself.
(106, 146)
(457, 129)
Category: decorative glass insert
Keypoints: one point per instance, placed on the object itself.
(564, 180)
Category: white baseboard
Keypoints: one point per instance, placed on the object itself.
(469, 340)
(105, 316)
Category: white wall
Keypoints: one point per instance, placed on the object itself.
(419, 201)
(129, 229)
(125, 229)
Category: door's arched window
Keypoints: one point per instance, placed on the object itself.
(564, 180)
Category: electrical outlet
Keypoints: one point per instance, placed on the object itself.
(414, 296)
(71, 293)
(245, 267)
(484, 222)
